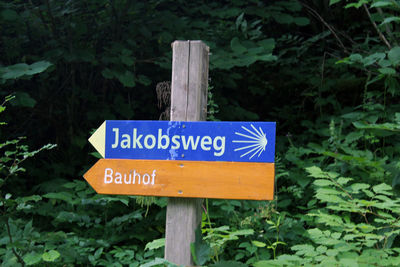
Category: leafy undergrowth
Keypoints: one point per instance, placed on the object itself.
(334, 94)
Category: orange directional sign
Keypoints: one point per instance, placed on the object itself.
(227, 180)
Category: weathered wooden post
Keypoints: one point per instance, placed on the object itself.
(188, 103)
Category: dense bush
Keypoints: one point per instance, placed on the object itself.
(326, 71)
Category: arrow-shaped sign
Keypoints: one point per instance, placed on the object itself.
(194, 141)
(226, 180)
(98, 139)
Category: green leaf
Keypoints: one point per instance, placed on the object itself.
(144, 80)
(228, 264)
(371, 59)
(28, 229)
(357, 4)
(359, 186)
(96, 155)
(65, 196)
(127, 78)
(121, 199)
(283, 18)
(301, 21)
(383, 189)
(237, 47)
(155, 244)
(32, 258)
(98, 253)
(243, 232)
(127, 60)
(344, 180)
(383, 4)
(157, 262)
(356, 57)
(390, 19)
(21, 69)
(51, 255)
(332, 2)
(23, 99)
(394, 56)
(35, 198)
(349, 262)
(200, 250)
(107, 73)
(9, 14)
(387, 71)
(304, 249)
(258, 244)
(315, 171)
(321, 182)
(38, 67)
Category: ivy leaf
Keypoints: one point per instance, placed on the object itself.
(51, 255)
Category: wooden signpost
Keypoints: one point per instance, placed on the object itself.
(185, 159)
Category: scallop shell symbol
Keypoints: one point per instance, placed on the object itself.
(255, 142)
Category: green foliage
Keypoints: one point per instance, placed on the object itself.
(20, 70)
(326, 71)
(20, 250)
(356, 227)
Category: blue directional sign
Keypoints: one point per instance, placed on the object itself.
(182, 140)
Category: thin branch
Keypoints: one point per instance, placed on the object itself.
(19, 258)
(331, 29)
(387, 27)
(383, 38)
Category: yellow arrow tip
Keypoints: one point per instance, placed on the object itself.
(98, 139)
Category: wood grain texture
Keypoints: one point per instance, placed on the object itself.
(180, 80)
(198, 82)
(194, 179)
(188, 102)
